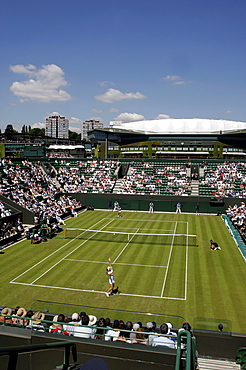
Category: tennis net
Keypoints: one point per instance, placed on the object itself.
(127, 237)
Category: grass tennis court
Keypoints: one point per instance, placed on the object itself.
(156, 270)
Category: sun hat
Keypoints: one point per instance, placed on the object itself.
(92, 320)
(149, 325)
(38, 316)
(6, 311)
(54, 323)
(136, 326)
(21, 312)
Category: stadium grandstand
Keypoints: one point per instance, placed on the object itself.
(172, 138)
(39, 195)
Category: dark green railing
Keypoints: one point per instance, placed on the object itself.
(187, 354)
(13, 352)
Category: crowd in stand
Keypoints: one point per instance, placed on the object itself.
(29, 186)
(156, 179)
(93, 176)
(237, 215)
(88, 326)
(228, 179)
(8, 229)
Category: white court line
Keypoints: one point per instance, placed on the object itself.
(168, 263)
(136, 219)
(36, 264)
(94, 291)
(57, 263)
(117, 263)
(186, 262)
(125, 247)
(97, 291)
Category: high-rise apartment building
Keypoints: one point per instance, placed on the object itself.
(57, 126)
(89, 125)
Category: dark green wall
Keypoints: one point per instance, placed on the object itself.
(141, 203)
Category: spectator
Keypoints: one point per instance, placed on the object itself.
(220, 327)
(57, 326)
(6, 311)
(84, 331)
(140, 337)
(21, 312)
(172, 333)
(163, 341)
(101, 330)
(71, 326)
(36, 323)
(113, 334)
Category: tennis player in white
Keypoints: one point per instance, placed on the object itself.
(110, 273)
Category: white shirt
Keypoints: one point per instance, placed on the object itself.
(84, 332)
(163, 341)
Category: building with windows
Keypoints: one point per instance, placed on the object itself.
(88, 126)
(172, 138)
(57, 126)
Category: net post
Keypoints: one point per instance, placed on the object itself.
(197, 241)
(65, 233)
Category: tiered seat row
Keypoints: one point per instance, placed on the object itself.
(27, 185)
(87, 177)
(156, 178)
(223, 180)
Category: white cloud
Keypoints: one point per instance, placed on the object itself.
(227, 112)
(100, 119)
(129, 117)
(111, 110)
(38, 125)
(180, 83)
(42, 85)
(106, 83)
(172, 78)
(97, 111)
(113, 95)
(75, 121)
(176, 80)
(162, 116)
(75, 129)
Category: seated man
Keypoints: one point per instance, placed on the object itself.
(84, 331)
(162, 341)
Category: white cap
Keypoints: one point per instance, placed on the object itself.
(75, 316)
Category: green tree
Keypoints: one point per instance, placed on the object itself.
(37, 131)
(10, 130)
(74, 136)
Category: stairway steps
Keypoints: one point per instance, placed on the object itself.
(212, 364)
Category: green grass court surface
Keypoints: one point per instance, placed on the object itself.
(160, 274)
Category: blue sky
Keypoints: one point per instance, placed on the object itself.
(121, 59)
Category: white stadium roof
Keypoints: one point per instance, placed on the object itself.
(180, 126)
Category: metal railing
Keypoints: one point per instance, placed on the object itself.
(186, 351)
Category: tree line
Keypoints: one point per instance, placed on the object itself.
(37, 132)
